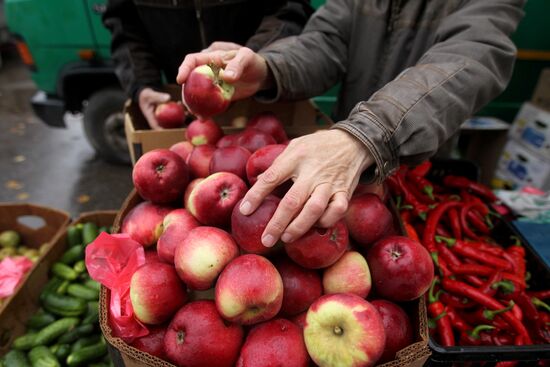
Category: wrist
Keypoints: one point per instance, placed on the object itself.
(360, 152)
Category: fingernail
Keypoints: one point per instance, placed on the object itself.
(268, 240)
(229, 73)
(245, 208)
(286, 238)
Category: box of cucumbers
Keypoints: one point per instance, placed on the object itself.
(60, 324)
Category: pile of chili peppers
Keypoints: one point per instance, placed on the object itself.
(480, 295)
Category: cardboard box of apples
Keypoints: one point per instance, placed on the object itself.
(210, 294)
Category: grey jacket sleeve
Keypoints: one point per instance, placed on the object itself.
(288, 19)
(135, 63)
(406, 121)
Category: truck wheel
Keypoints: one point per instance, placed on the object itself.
(104, 125)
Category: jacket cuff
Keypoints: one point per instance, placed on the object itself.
(273, 94)
(367, 127)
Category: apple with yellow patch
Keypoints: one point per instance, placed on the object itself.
(202, 255)
(249, 290)
(344, 330)
(350, 274)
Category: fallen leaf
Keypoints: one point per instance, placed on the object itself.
(83, 199)
(23, 196)
(19, 158)
(13, 185)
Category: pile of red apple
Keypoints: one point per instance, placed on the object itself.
(213, 295)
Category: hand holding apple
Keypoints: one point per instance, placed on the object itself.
(148, 100)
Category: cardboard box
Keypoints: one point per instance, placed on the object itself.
(26, 301)
(532, 128)
(124, 355)
(37, 225)
(518, 166)
(299, 118)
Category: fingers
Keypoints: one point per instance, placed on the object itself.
(193, 60)
(222, 46)
(335, 211)
(149, 115)
(288, 208)
(312, 211)
(236, 65)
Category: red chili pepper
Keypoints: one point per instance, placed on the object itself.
(464, 210)
(441, 264)
(411, 232)
(418, 193)
(482, 315)
(473, 280)
(456, 320)
(472, 337)
(422, 169)
(486, 247)
(455, 223)
(434, 217)
(465, 290)
(456, 302)
(516, 254)
(406, 216)
(482, 270)
(462, 248)
(419, 209)
(542, 295)
(476, 221)
(503, 338)
(506, 364)
(487, 286)
(422, 185)
(440, 231)
(459, 182)
(436, 311)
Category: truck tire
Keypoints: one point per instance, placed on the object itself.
(104, 125)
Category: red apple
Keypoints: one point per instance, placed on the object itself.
(344, 330)
(247, 229)
(253, 139)
(197, 336)
(189, 189)
(270, 124)
(319, 247)
(229, 140)
(212, 200)
(151, 256)
(156, 293)
(249, 290)
(201, 132)
(230, 159)
(204, 93)
(301, 286)
(199, 160)
(183, 149)
(401, 269)
(170, 115)
(274, 343)
(300, 320)
(350, 274)
(177, 225)
(143, 223)
(261, 160)
(201, 257)
(152, 343)
(375, 188)
(399, 331)
(368, 219)
(160, 176)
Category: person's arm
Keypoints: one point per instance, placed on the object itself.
(135, 63)
(283, 19)
(407, 120)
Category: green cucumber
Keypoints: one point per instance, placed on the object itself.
(74, 235)
(42, 356)
(89, 232)
(92, 315)
(24, 342)
(73, 254)
(90, 283)
(61, 351)
(87, 354)
(16, 358)
(64, 305)
(62, 289)
(40, 320)
(80, 267)
(104, 229)
(53, 331)
(51, 287)
(85, 342)
(81, 291)
(64, 271)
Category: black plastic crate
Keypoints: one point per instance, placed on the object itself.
(504, 234)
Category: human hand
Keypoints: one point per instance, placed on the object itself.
(222, 46)
(245, 69)
(148, 100)
(325, 167)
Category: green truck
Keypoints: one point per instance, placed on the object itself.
(67, 49)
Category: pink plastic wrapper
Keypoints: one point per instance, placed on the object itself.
(12, 271)
(112, 260)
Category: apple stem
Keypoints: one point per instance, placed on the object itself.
(181, 336)
(216, 70)
(160, 168)
(338, 330)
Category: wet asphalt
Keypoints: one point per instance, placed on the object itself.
(50, 166)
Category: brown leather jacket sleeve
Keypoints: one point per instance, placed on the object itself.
(469, 63)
